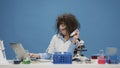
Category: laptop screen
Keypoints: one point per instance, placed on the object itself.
(20, 52)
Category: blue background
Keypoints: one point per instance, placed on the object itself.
(32, 23)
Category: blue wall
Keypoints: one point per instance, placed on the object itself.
(32, 23)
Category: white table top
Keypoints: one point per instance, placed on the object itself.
(51, 65)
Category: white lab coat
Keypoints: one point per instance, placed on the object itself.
(58, 44)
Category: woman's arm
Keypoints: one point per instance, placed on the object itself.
(49, 51)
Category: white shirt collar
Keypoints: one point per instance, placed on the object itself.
(61, 37)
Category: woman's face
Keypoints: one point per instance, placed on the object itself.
(62, 29)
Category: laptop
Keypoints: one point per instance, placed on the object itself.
(20, 52)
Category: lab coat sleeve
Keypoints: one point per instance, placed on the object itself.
(50, 50)
(71, 49)
(51, 47)
(45, 55)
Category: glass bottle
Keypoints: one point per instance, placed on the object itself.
(101, 58)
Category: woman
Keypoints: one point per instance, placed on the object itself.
(62, 41)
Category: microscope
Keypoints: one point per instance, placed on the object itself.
(78, 56)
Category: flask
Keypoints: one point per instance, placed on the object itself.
(101, 58)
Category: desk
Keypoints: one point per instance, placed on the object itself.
(61, 66)
(51, 65)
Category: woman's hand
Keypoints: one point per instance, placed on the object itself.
(34, 55)
(75, 36)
